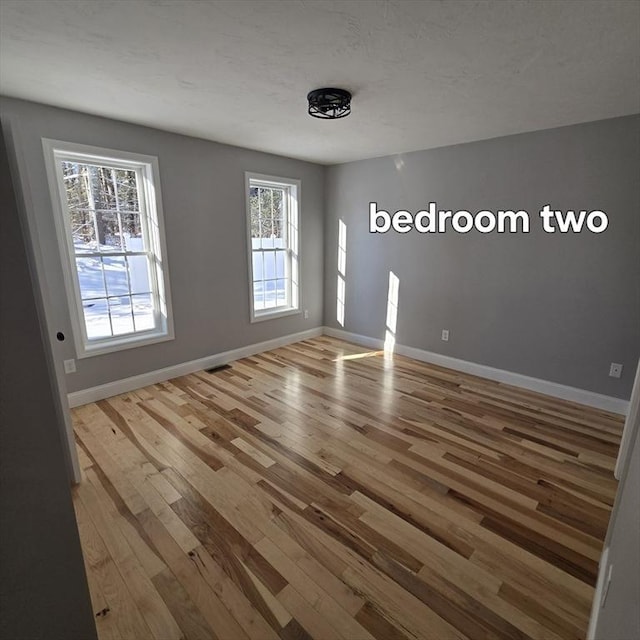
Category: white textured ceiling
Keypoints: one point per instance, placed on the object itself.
(423, 74)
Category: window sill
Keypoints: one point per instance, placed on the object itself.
(126, 342)
(276, 313)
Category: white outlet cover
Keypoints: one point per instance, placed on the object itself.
(445, 335)
(70, 366)
(615, 370)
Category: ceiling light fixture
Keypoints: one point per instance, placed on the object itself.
(329, 104)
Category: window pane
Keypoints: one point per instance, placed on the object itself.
(96, 319)
(258, 296)
(269, 264)
(83, 231)
(266, 232)
(280, 264)
(143, 312)
(258, 265)
(254, 212)
(101, 190)
(132, 231)
(90, 278)
(278, 229)
(139, 274)
(127, 190)
(282, 292)
(121, 318)
(108, 231)
(276, 198)
(75, 184)
(115, 273)
(269, 243)
(270, 294)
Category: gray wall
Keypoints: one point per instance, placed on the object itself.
(204, 210)
(619, 619)
(559, 307)
(43, 588)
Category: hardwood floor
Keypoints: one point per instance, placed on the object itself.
(320, 491)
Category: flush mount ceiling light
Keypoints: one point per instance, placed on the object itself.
(329, 104)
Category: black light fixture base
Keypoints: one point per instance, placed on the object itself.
(329, 103)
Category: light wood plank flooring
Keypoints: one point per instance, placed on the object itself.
(320, 491)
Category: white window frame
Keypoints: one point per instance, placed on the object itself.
(148, 177)
(293, 190)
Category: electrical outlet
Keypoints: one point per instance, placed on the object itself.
(70, 366)
(306, 314)
(445, 335)
(615, 370)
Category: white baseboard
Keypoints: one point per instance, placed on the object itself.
(116, 387)
(581, 396)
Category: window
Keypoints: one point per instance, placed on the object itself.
(109, 223)
(273, 228)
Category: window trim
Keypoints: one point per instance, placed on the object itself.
(276, 312)
(146, 167)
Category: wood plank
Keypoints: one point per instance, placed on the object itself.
(144, 595)
(119, 605)
(182, 607)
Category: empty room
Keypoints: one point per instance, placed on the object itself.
(320, 320)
